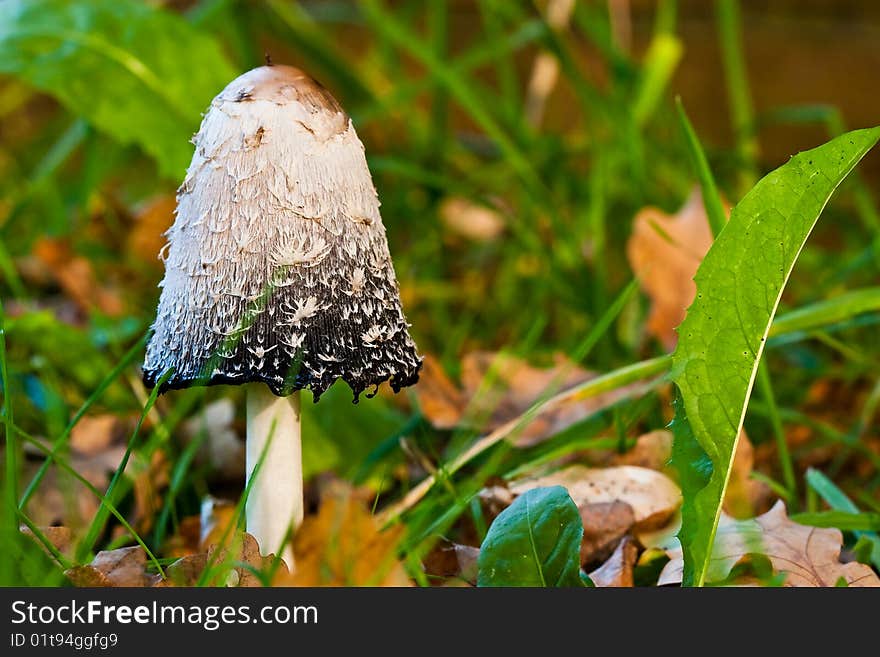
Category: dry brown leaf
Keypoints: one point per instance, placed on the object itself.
(664, 252)
(440, 401)
(147, 236)
(809, 556)
(605, 523)
(475, 222)
(653, 496)
(343, 545)
(122, 567)
(149, 482)
(76, 277)
(498, 388)
(94, 433)
(61, 538)
(652, 450)
(617, 571)
(744, 495)
(242, 548)
(186, 571)
(452, 561)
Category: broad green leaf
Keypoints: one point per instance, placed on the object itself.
(140, 74)
(721, 340)
(535, 541)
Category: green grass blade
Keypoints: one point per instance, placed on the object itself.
(739, 96)
(104, 501)
(843, 520)
(739, 285)
(384, 22)
(765, 387)
(100, 519)
(11, 451)
(662, 57)
(838, 500)
(711, 198)
(59, 442)
(827, 312)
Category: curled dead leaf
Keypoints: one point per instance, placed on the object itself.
(452, 561)
(617, 571)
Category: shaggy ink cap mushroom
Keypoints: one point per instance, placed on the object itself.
(277, 267)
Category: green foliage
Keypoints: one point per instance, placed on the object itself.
(140, 74)
(739, 285)
(838, 500)
(843, 520)
(534, 542)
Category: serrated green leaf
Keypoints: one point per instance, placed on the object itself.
(140, 74)
(534, 542)
(721, 340)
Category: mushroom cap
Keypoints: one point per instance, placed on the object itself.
(277, 266)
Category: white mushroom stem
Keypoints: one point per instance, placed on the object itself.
(274, 508)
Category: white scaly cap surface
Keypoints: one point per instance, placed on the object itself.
(277, 266)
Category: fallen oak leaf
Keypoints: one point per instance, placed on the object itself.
(238, 562)
(124, 567)
(653, 497)
(808, 556)
(186, 571)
